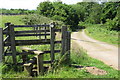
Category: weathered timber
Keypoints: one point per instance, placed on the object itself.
(64, 34)
(28, 53)
(24, 57)
(31, 43)
(31, 31)
(40, 68)
(39, 28)
(22, 35)
(45, 32)
(68, 46)
(29, 50)
(52, 41)
(12, 41)
(31, 26)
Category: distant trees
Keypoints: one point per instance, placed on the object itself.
(106, 14)
(59, 11)
(88, 12)
(16, 11)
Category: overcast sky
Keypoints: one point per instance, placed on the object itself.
(28, 4)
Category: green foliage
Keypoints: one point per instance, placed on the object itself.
(16, 11)
(45, 8)
(58, 11)
(106, 13)
(99, 32)
(95, 14)
(35, 19)
(109, 11)
(113, 24)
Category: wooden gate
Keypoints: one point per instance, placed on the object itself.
(45, 34)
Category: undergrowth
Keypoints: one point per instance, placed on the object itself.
(100, 32)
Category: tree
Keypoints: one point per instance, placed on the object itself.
(95, 14)
(45, 8)
(109, 11)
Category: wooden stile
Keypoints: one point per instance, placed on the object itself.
(39, 30)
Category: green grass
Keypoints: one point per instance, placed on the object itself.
(13, 19)
(81, 58)
(98, 32)
(65, 71)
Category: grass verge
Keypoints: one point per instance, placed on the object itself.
(100, 33)
(65, 71)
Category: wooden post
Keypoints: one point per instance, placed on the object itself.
(40, 68)
(45, 31)
(64, 34)
(12, 41)
(52, 39)
(1, 45)
(6, 25)
(39, 28)
(68, 46)
(24, 57)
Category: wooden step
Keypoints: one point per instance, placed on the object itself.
(31, 61)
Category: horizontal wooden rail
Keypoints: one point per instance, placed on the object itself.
(31, 25)
(29, 50)
(22, 35)
(25, 53)
(55, 51)
(32, 31)
(10, 54)
(31, 43)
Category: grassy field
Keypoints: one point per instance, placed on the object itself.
(63, 71)
(100, 33)
(13, 19)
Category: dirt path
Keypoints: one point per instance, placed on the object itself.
(96, 49)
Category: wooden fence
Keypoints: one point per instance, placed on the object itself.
(42, 31)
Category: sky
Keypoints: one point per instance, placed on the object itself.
(32, 4)
(28, 4)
